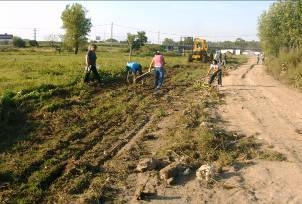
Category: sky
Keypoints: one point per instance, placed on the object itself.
(212, 20)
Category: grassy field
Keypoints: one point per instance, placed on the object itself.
(29, 68)
(55, 130)
(23, 69)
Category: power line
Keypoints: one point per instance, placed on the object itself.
(107, 24)
(102, 28)
(180, 35)
(133, 28)
(111, 33)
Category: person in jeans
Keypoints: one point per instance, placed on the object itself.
(158, 62)
(215, 70)
(91, 64)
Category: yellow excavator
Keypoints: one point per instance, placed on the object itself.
(199, 51)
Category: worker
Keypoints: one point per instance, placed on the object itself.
(211, 56)
(262, 58)
(217, 56)
(133, 68)
(258, 58)
(158, 61)
(224, 59)
(91, 64)
(215, 70)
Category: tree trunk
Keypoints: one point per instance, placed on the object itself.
(76, 47)
(76, 50)
(130, 53)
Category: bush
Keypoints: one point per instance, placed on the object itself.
(149, 50)
(287, 67)
(18, 42)
(7, 99)
(33, 43)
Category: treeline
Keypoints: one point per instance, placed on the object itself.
(280, 27)
(238, 43)
(280, 34)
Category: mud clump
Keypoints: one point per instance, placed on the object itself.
(171, 172)
(150, 164)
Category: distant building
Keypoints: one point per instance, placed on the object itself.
(231, 51)
(169, 47)
(6, 38)
(248, 52)
(237, 52)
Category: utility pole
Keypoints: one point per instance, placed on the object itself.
(183, 46)
(158, 37)
(179, 45)
(35, 34)
(111, 33)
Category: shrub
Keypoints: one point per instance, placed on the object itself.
(7, 99)
(18, 42)
(33, 43)
(287, 66)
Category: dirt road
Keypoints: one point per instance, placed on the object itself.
(256, 104)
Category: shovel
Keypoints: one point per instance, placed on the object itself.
(143, 75)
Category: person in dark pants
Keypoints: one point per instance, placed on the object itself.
(258, 58)
(158, 61)
(215, 70)
(224, 60)
(91, 64)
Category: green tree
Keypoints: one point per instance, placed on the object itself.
(168, 41)
(240, 43)
(142, 38)
(280, 26)
(76, 24)
(188, 41)
(131, 41)
(18, 42)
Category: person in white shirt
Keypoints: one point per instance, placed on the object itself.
(215, 70)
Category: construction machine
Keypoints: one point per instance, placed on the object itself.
(199, 51)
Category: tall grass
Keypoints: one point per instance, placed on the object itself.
(287, 66)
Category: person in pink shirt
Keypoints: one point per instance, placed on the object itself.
(158, 62)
